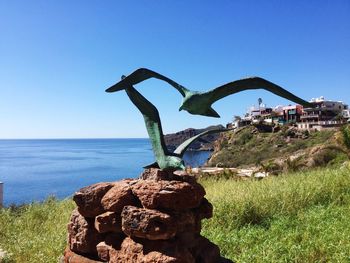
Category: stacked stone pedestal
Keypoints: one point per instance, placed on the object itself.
(156, 218)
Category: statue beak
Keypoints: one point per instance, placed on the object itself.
(180, 109)
(183, 167)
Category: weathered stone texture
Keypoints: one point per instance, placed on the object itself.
(205, 251)
(156, 219)
(205, 210)
(156, 174)
(151, 251)
(71, 257)
(108, 222)
(118, 196)
(88, 199)
(147, 223)
(174, 195)
(82, 236)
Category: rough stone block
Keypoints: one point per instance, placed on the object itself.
(157, 174)
(71, 257)
(206, 251)
(174, 195)
(108, 222)
(119, 196)
(147, 223)
(205, 210)
(82, 236)
(151, 251)
(88, 199)
(112, 243)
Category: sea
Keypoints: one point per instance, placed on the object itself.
(33, 170)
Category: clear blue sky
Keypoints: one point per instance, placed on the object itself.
(57, 58)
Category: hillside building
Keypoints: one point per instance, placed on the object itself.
(292, 113)
(346, 115)
(257, 114)
(323, 114)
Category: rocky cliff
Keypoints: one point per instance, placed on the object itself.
(205, 143)
(288, 149)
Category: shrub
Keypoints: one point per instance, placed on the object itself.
(244, 138)
(346, 135)
(271, 167)
(325, 156)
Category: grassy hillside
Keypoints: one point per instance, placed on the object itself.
(301, 217)
(285, 150)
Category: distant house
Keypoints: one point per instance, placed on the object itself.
(257, 114)
(292, 113)
(323, 114)
(277, 115)
(346, 115)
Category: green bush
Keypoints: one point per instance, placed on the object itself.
(244, 137)
(271, 167)
(325, 156)
(346, 135)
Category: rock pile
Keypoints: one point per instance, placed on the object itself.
(156, 218)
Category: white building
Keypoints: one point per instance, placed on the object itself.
(346, 115)
(323, 114)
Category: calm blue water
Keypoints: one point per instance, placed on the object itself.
(32, 170)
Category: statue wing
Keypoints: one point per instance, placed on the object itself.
(152, 121)
(250, 84)
(181, 149)
(142, 74)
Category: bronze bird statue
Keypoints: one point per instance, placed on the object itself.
(200, 103)
(164, 159)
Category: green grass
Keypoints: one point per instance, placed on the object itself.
(301, 217)
(35, 232)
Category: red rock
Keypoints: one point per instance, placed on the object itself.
(88, 199)
(103, 251)
(188, 227)
(147, 223)
(184, 176)
(225, 260)
(205, 210)
(151, 251)
(71, 257)
(108, 222)
(119, 196)
(112, 243)
(206, 251)
(157, 174)
(175, 195)
(82, 236)
(186, 221)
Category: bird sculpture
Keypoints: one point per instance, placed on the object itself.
(164, 159)
(200, 103)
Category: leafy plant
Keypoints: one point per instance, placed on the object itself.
(346, 135)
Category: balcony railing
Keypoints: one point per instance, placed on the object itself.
(309, 116)
(325, 123)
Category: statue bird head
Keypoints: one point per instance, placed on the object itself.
(173, 162)
(197, 104)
